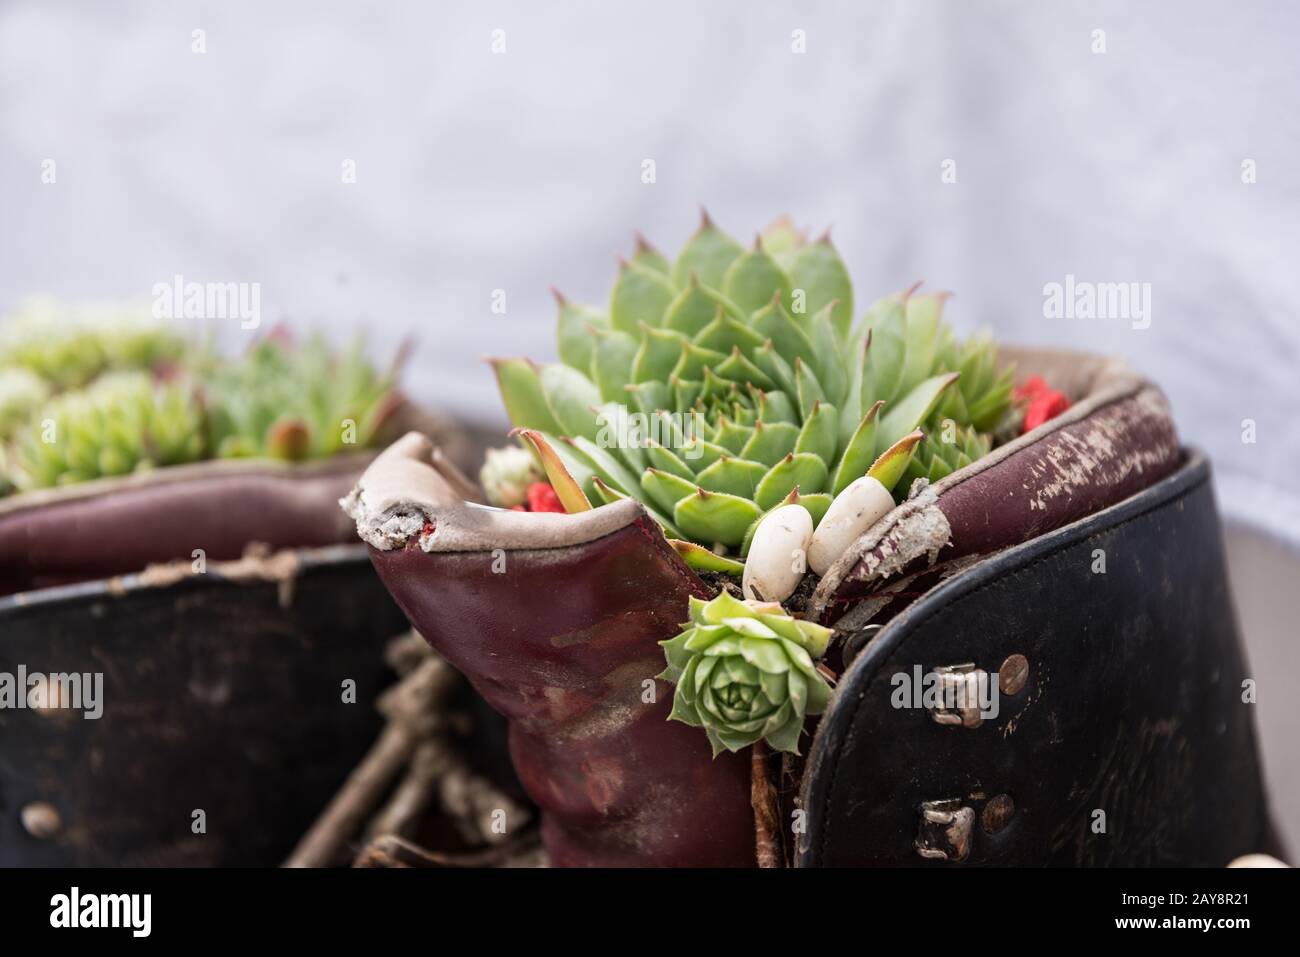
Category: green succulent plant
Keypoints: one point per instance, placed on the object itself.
(21, 393)
(750, 387)
(123, 422)
(84, 400)
(70, 344)
(290, 401)
(744, 671)
(506, 475)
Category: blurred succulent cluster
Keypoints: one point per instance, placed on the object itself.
(301, 401)
(113, 426)
(69, 345)
(88, 392)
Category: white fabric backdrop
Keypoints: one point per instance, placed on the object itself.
(478, 171)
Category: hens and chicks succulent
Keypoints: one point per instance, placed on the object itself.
(87, 392)
(731, 393)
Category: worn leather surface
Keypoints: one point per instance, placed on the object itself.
(119, 526)
(564, 642)
(1065, 470)
(1133, 704)
(115, 526)
(218, 693)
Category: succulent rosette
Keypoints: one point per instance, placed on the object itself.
(121, 423)
(731, 381)
(289, 400)
(744, 671)
(507, 475)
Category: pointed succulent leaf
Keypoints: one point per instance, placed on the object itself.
(726, 333)
(521, 392)
(611, 363)
(715, 517)
(723, 606)
(795, 470)
(737, 368)
(818, 436)
(605, 464)
(770, 442)
(666, 460)
(566, 487)
(701, 453)
(572, 399)
(695, 307)
(817, 505)
(782, 239)
(649, 257)
(702, 560)
(649, 397)
(608, 496)
(913, 409)
(892, 463)
(938, 469)
(860, 454)
(694, 360)
(789, 338)
(666, 489)
(809, 389)
(573, 331)
(778, 406)
(776, 368)
(922, 314)
(657, 354)
(818, 270)
(852, 409)
(708, 254)
(888, 350)
(640, 295)
(828, 356)
(731, 475)
(731, 436)
(753, 279)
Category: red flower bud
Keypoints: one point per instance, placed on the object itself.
(1043, 406)
(1034, 385)
(542, 498)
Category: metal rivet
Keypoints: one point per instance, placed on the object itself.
(41, 820)
(856, 641)
(944, 831)
(997, 813)
(1013, 674)
(959, 703)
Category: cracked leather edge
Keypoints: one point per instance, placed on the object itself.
(402, 492)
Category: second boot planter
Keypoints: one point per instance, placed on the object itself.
(556, 618)
(114, 526)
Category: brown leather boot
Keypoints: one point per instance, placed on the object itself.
(556, 618)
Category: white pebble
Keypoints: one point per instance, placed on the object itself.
(862, 503)
(777, 555)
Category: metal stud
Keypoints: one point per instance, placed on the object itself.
(997, 813)
(944, 833)
(1013, 674)
(41, 820)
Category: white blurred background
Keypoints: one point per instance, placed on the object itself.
(478, 170)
